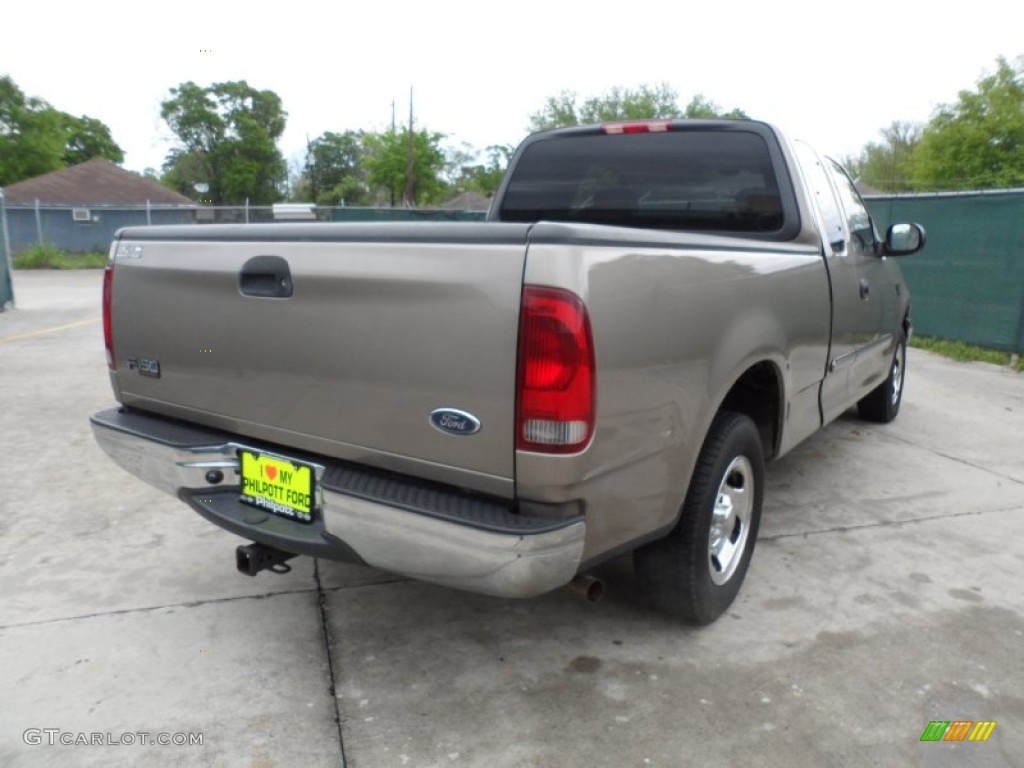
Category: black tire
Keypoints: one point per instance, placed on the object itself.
(689, 574)
(883, 402)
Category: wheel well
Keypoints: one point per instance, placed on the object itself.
(757, 394)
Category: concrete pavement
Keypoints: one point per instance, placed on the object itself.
(885, 592)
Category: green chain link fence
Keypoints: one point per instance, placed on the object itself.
(968, 282)
(405, 214)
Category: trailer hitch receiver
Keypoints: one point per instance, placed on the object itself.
(253, 558)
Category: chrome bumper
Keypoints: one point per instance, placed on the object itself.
(460, 554)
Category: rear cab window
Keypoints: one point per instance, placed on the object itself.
(698, 177)
(858, 220)
(816, 177)
(847, 210)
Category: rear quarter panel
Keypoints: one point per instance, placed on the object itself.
(676, 321)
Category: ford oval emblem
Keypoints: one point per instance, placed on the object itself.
(452, 421)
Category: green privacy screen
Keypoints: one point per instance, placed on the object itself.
(968, 282)
(6, 289)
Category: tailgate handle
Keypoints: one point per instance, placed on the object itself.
(267, 277)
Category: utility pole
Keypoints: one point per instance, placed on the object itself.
(392, 133)
(311, 168)
(410, 164)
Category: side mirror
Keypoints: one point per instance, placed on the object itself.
(904, 239)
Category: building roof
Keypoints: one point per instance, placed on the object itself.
(94, 182)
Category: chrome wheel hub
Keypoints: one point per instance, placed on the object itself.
(730, 520)
(897, 375)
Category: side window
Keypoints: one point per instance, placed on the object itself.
(858, 220)
(818, 184)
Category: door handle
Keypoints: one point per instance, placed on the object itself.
(267, 277)
(865, 289)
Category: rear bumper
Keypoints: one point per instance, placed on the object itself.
(394, 523)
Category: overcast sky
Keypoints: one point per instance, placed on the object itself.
(831, 73)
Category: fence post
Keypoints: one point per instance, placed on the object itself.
(247, 210)
(6, 286)
(39, 225)
(149, 217)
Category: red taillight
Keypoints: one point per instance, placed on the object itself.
(644, 126)
(556, 373)
(108, 334)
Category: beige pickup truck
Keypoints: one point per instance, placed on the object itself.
(651, 311)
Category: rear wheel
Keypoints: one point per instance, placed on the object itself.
(883, 402)
(696, 571)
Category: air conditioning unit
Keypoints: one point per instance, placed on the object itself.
(81, 214)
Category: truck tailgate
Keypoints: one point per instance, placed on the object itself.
(383, 326)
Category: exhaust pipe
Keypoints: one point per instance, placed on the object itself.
(590, 588)
(250, 559)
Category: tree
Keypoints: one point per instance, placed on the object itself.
(468, 174)
(887, 165)
(227, 136)
(31, 140)
(977, 142)
(703, 108)
(87, 138)
(334, 172)
(619, 103)
(387, 159)
(36, 138)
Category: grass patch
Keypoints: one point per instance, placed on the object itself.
(959, 350)
(50, 257)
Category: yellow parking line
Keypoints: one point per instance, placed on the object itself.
(17, 336)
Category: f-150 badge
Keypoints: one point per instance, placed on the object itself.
(146, 366)
(454, 422)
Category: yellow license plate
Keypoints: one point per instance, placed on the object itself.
(278, 485)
